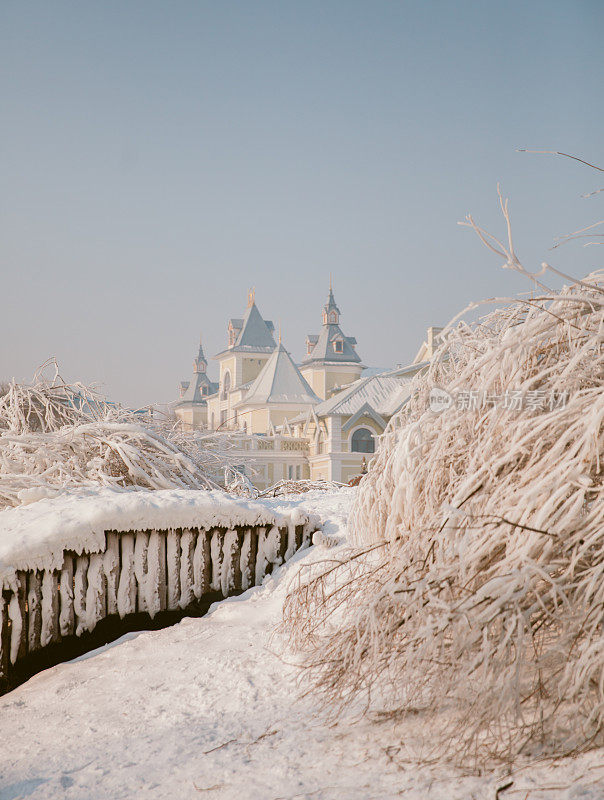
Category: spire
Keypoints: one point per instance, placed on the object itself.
(200, 364)
(251, 297)
(331, 312)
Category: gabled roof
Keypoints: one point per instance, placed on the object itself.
(324, 349)
(280, 381)
(365, 411)
(254, 333)
(383, 393)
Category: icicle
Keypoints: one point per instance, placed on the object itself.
(217, 557)
(95, 592)
(187, 580)
(126, 592)
(67, 613)
(202, 565)
(173, 563)
(50, 608)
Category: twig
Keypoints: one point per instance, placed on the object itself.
(558, 153)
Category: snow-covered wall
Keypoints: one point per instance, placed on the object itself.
(68, 562)
(35, 536)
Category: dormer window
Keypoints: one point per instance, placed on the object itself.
(338, 346)
(231, 337)
(333, 318)
(308, 348)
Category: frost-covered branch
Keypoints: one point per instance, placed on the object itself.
(55, 435)
(476, 590)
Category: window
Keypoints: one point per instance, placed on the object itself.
(212, 422)
(290, 473)
(223, 417)
(362, 441)
(226, 385)
(338, 346)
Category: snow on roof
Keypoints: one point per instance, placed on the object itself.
(324, 349)
(384, 393)
(255, 331)
(35, 536)
(254, 334)
(194, 394)
(280, 381)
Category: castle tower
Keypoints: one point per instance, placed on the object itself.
(279, 393)
(250, 344)
(331, 359)
(192, 409)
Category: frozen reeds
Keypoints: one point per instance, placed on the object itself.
(55, 435)
(474, 595)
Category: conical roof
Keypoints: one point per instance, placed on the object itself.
(255, 332)
(199, 388)
(331, 303)
(280, 381)
(325, 348)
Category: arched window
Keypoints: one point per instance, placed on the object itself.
(362, 441)
(226, 384)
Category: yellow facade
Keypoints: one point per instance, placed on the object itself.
(325, 378)
(298, 421)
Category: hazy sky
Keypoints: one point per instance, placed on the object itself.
(158, 158)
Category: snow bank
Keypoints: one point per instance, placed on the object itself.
(209, 708)
(35, 536)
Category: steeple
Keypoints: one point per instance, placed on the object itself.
(331, 345)
(331, 313)
(200, 364)
(196, 390)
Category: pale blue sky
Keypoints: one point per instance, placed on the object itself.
(157, 158)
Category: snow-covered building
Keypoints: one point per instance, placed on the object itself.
(192, 408)
(342, 431)
(331, 359)
(319, 419)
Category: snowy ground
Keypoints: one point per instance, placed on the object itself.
(206, 709)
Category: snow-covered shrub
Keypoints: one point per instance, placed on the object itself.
(55, 435)
(475, 593)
